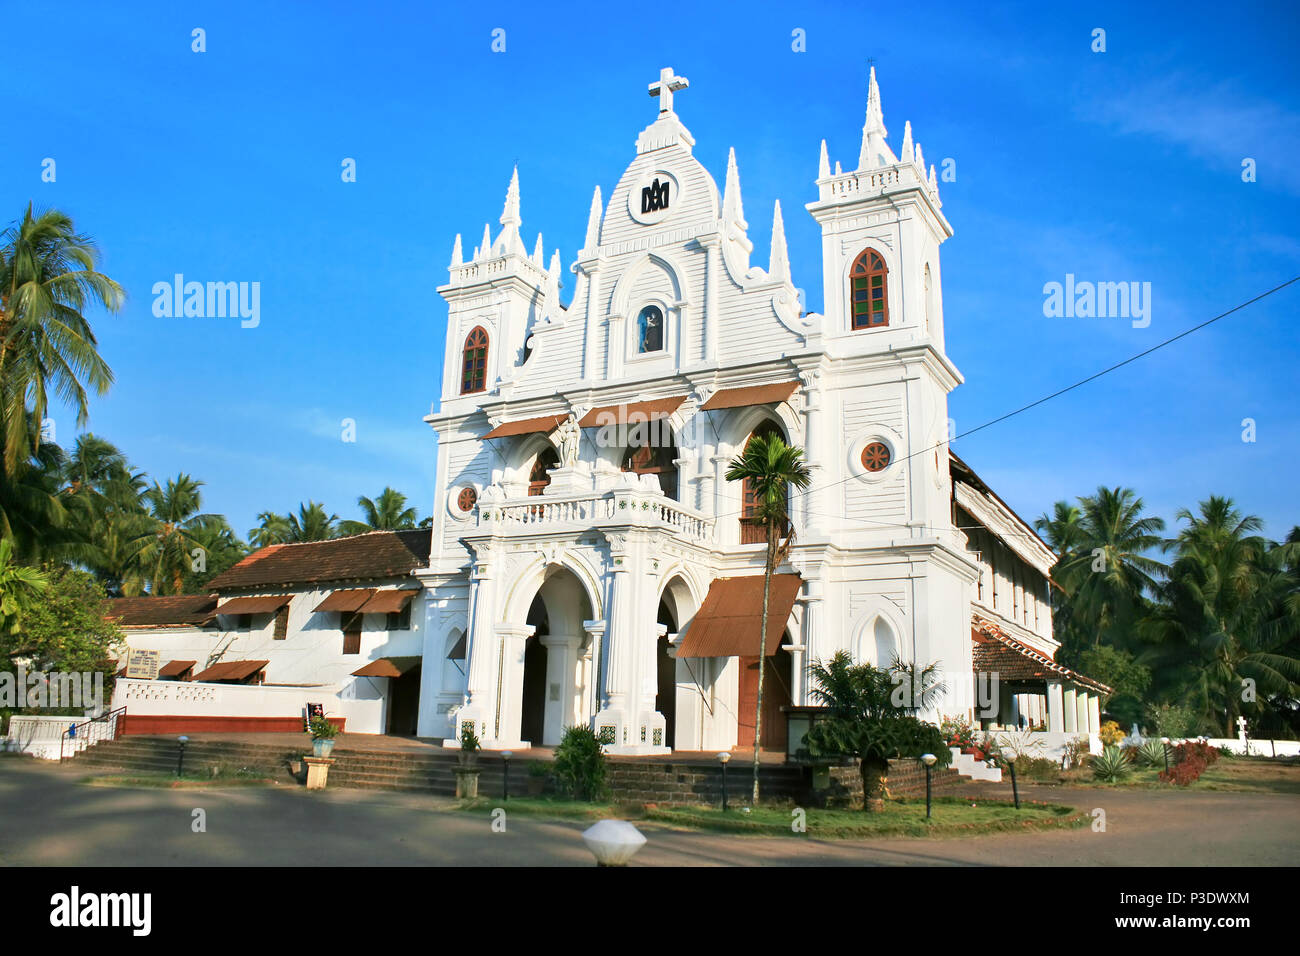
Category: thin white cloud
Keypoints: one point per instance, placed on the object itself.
(1218, 124)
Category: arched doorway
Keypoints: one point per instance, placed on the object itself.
(532, 723)
(776, 695)
(652, 450)
(547, 684)
(666, 670)
(539, 476)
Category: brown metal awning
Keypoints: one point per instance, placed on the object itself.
(388, 602)
(526, 426)
(254, 605)
(388, 667)
(349, 600)
(175, 668)
(231, 671)
(750, 395)
(728, 622)
(649, 411)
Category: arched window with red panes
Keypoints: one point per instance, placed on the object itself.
(473, 369)
(752, 530)
(869, 291)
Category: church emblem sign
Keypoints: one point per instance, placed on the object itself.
(654, 196)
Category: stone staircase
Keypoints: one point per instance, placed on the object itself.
(432, 771)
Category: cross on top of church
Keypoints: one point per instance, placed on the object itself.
(668, 84)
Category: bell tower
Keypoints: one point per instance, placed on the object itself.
(887, 206)
(495, 299)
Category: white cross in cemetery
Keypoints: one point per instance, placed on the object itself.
(1241, 727)
(668, 84)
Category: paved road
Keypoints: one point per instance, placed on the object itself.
(48, 818)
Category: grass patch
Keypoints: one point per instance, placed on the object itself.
(951, 816)
(1229, 774)
(169, 781)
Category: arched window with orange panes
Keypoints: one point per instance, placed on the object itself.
(869, 291)
(752, 530)
(473, 369)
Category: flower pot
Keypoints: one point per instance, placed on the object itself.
(466, 783)
(321, 746)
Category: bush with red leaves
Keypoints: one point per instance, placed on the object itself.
(1189, 761)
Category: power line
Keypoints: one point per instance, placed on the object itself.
(1058, 392)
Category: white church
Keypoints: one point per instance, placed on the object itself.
(588, 554)
(589, 564)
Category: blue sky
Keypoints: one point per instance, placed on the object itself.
(225, 165)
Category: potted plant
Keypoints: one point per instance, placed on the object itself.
(322, 735)
(467, 768)
(537, 774)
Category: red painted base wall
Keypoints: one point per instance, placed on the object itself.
(163, 724)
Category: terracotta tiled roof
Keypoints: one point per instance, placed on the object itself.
(750, 395)
(161, 611)
(377, 554)
(997, 653)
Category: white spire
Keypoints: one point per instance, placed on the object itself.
(779, 264)
(537, 251)
(873, 130)
(554, 270)
(907, 142)
(457, 257)
(486, 248)
(732, 208)
(934, 184)
(510, 215)
(824, 163)
(593, 222)
(919, 158)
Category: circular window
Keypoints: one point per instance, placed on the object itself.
(467, 499)
(875, 457)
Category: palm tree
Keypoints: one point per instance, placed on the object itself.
(19, 587)
(167, 549)
(32, 514)
(388, 512)
(48, 277)
(272, 528)
(105, 499)
(1105, 572)
(771, 467)
(1230, 614)
(863, 720)
(311, 523)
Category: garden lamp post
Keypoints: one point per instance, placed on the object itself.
(1010, 758)
(180, 759)
(723, 757)
(929, 761)
(1164, 746)
(613, 842)
(505, 774)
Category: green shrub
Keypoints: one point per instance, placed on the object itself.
(1150, 754)
(579, 767)
(1110, 765)
(1036, 768)
(321, 728)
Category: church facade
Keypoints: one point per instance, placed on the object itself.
(591, 565)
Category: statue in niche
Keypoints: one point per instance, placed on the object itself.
(567, 437)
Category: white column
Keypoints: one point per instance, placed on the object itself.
(481, 681)
(1094, 714)
(614, 346)
(510, 688)
(1055, 719)
(1081, 704)
(811, 644)
(713, 279)
(813, 513)
(594, 309)
(1071, 707)
(561, 685)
